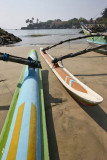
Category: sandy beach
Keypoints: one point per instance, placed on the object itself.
(75, 132)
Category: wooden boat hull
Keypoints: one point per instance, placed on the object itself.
(24, 133)
(77, 89)
(97, 40)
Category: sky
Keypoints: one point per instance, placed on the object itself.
(13, 13)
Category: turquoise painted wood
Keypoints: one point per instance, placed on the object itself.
(27, 135)
(97, 39)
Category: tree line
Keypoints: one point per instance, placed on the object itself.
(59, 24)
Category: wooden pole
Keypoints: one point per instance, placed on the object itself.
(30, 62)
(68, 40)
(77, 53)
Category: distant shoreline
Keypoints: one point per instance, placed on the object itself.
(25, 28)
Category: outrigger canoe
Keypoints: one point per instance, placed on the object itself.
(99, 39)
(24, 135)
(76, 88)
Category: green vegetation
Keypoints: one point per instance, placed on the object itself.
(59, 24)
(103, 19)
(54, 24)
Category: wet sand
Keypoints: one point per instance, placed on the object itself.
(75, 132)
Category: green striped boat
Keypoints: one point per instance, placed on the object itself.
(101, 39)
(24, 134)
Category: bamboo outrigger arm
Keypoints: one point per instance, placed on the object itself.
(55, 60)
(72, 39)
(30, 62)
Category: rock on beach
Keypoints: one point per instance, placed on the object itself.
(8, 38)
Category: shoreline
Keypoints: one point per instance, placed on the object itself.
(68, 122)
(53, 36)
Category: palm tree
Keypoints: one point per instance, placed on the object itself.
(32, 19)
(27, 21)
(37, 20)
(104, 14)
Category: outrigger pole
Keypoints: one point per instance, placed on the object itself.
(55, 60)
(72, 39)
(30, 62)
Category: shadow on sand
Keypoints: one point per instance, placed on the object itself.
(2, 80)
(52, 142)
(88, 75)
(97, 114)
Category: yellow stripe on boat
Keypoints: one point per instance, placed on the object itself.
(15, 137)
(32, 134)
(25, 136)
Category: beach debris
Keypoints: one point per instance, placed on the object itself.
(8, 38)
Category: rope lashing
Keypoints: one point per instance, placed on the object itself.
(36, 64)
(5, 57)
(84, 51)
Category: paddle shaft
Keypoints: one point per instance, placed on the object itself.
(15, 59)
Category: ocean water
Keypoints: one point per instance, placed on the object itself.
(45, 36)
